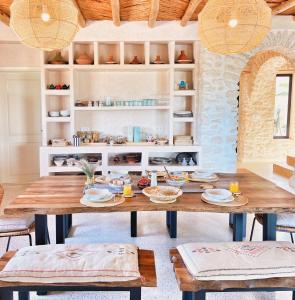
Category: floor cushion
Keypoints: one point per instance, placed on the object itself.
(73, 264)
(9, 224)
(239, 260)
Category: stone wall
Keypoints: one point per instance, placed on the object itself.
(219, 113)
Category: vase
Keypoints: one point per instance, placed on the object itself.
(90, 180)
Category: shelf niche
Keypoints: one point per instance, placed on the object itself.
(57, 103)
(56, 77)
(134, 49)
(183, 75)
(187, 47)
(160, 49)
(106, 50)
(83, 48)
(49, 56)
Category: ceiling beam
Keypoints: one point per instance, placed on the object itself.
(155, 5)
(283, 7)
(4, 18)
(81, 19)
(116, 12)
(192, 6)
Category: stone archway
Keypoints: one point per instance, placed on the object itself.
(256, 110)
(219, 79)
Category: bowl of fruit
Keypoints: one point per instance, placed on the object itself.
(143, 182)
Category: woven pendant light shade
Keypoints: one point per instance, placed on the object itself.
(234, 26)
(54, 31)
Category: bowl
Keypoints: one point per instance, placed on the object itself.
(65, 113)
(58, 162)
(176, 181)
(218, 194)
(53, 113)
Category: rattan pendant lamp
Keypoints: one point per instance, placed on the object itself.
(234, 26)
(44, 24)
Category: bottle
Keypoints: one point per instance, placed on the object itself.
(154, 178)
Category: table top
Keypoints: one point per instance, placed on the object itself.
(61, 195)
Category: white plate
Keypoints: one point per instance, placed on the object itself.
(207, 198)
(218, 194)
(98, 195)
(203, 174)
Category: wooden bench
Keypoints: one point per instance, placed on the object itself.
(146, 268)
(193, 289)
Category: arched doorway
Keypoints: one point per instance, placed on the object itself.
(257, 115)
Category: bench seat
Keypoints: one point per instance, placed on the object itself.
(147, 270)
(196, 289)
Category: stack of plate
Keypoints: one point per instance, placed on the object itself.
(183, 114)
(203, 176)
(216, 196)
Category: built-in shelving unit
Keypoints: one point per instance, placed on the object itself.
(123, 81)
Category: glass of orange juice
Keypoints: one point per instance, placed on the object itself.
(127, 190)
(234, 187)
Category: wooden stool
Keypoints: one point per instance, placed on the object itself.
(146, 268)
(193, 289)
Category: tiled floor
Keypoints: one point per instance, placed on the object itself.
(95, 228)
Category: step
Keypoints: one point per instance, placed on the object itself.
(291, 160)
(282, 169)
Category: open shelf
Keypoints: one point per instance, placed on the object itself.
(58, 119)
(57, 92)
(106, 108)
(184, 120)
(106, 51)
(185, 93)
(50, 55)
(56, 77)
(188, 50)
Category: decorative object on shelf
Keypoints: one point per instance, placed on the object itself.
(120, 140)
(58, 59)
(191, 162)
(176, 181)
(65, 113)
(84, 59)
(89, 170)
(183, 59)
(88, 137)
(47, 25)
(111, 60)
(132, 158)
(162, 141)
(130, 134)
(184, 155)
(137, 134)
(232, 27)
(135, 61)
(160, 160)
(58, 87)
(183, 114)
(58, 161)
(183, 140)
(59, 143)
(158, 60)
(184, 162)
(53, 114)
(183, 85)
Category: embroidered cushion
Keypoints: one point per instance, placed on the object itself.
(73, 264)
(9, 224)
(239, 260)
(286, 220)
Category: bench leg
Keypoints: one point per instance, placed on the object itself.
(168, 221)
(135, 294)
(6, 294)
(172, 229)
(23, 295)
(293, 295)
(133, 216)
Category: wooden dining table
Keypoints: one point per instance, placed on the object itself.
(60, 196)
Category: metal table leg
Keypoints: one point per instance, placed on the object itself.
(172, 220)
(239, 225)
(133, 216)
(61, 229)
(269, 227)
